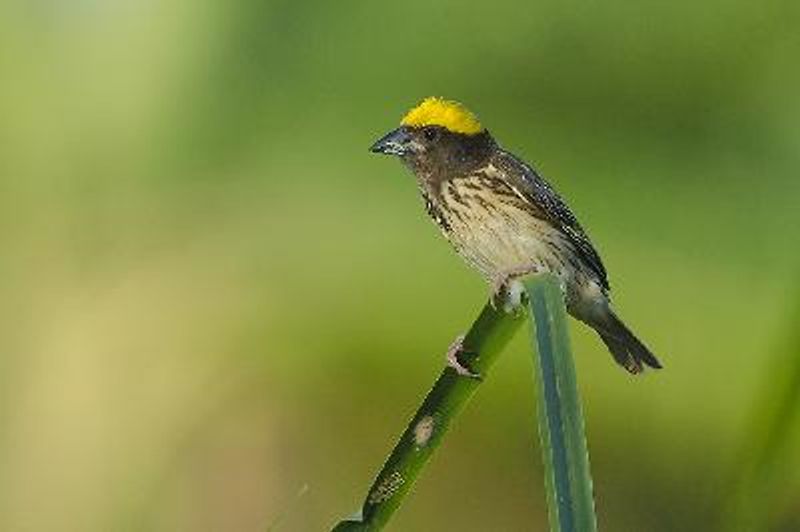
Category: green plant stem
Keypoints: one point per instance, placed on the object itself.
(568, 479)
(483, 343)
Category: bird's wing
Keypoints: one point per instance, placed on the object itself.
(530, 186)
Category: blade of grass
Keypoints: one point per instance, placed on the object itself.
(489, 334)
(760, 483)
(278, 519)
(568, 480)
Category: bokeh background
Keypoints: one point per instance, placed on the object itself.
(219, 310)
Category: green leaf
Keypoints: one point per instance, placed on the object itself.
(568, 479)
(758, 497)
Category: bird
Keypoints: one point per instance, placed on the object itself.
(506, 221)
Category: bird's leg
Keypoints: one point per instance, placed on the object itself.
(456, 348)
(506, 294)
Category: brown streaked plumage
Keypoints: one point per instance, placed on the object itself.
(504, 219)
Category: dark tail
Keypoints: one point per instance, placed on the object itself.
(627, 350)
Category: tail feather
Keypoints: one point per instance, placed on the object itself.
(627, 350)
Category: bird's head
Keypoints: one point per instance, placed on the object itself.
(435, 135)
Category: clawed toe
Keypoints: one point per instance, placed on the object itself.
(456, 348)
(506, 293)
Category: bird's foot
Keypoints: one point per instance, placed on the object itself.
(455, 349)
(507, 290)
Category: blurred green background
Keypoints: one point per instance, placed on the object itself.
(213, 295)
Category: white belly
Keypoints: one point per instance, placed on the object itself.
(508, 239)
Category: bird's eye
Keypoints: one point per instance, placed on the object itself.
(430, 133)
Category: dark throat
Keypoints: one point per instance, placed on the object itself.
(456, 155)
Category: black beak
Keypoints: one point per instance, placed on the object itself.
(393, 143)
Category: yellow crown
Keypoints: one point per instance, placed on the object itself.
(440, 112)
